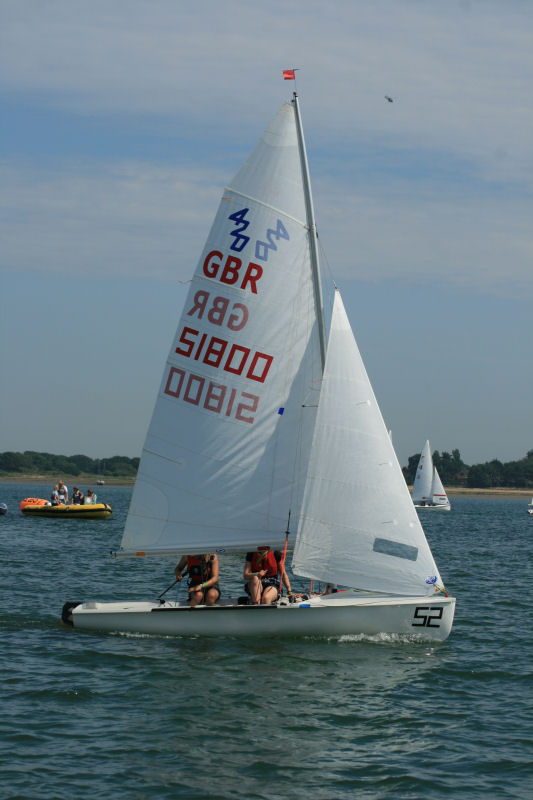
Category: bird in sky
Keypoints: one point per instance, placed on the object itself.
(389, 99)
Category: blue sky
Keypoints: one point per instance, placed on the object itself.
(122, 121)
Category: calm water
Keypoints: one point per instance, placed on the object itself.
(86, 715)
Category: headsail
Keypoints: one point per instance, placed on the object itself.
(218, 468)
(438, 493)
(358, 525)
(423, 476)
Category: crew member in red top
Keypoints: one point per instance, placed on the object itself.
(262, 573)
(203, 578)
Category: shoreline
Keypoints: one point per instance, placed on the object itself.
(50, 480)
(90, 480)
(494, 492)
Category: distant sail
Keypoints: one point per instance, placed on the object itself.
(423, 476)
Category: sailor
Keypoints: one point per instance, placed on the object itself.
(262, 571)
(203, 573)
(62, 492)
(77, 497)
(90, 498)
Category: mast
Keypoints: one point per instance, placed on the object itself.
(315, 266)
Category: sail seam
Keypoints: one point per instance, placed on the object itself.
(269, 206)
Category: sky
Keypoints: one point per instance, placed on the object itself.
(123, 121)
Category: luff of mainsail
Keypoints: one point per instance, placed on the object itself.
(218, 468)
(313, 235)
(358, 526)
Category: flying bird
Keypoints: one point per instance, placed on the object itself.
(389, 99)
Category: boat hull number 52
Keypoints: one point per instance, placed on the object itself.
(427, 616)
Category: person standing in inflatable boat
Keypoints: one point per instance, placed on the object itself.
(203, 573)
(262, 572)
(62, 491)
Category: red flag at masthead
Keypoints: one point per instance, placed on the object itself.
(288, 75)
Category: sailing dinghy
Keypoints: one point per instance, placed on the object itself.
(428, 491)
(258, 422)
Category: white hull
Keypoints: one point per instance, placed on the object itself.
(441, 507)
(331, 615)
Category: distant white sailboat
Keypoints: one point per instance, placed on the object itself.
(428, 491)
(257, 422)
(530, 507)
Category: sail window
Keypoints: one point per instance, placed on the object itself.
(391, 548)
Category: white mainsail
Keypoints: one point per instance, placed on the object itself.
(219, 467)
(423, 476)
(358, 525)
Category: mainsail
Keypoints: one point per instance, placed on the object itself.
(424, 476)
(358, 525)
(233, 421)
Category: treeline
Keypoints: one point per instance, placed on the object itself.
(492, 474)
(452, 469)
(31, 463)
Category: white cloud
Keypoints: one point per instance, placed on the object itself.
(129, 219)
(459, 241)
(436, 186)
(138, 219)
(461, 72)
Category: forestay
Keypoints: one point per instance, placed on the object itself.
(358, 525)
(219, 464)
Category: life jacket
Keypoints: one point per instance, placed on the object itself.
(268, 562)
(198, 570)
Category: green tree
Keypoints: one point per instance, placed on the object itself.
(479, 477)
(14, 462)
(410, 470)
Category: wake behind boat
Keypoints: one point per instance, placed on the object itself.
(257, 422)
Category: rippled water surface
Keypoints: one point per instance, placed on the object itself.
(87, 715)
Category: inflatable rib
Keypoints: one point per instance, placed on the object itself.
(37, 507)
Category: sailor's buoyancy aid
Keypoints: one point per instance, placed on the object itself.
(199, 571)
(269, 563)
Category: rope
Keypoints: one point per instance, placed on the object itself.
(282, 565)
